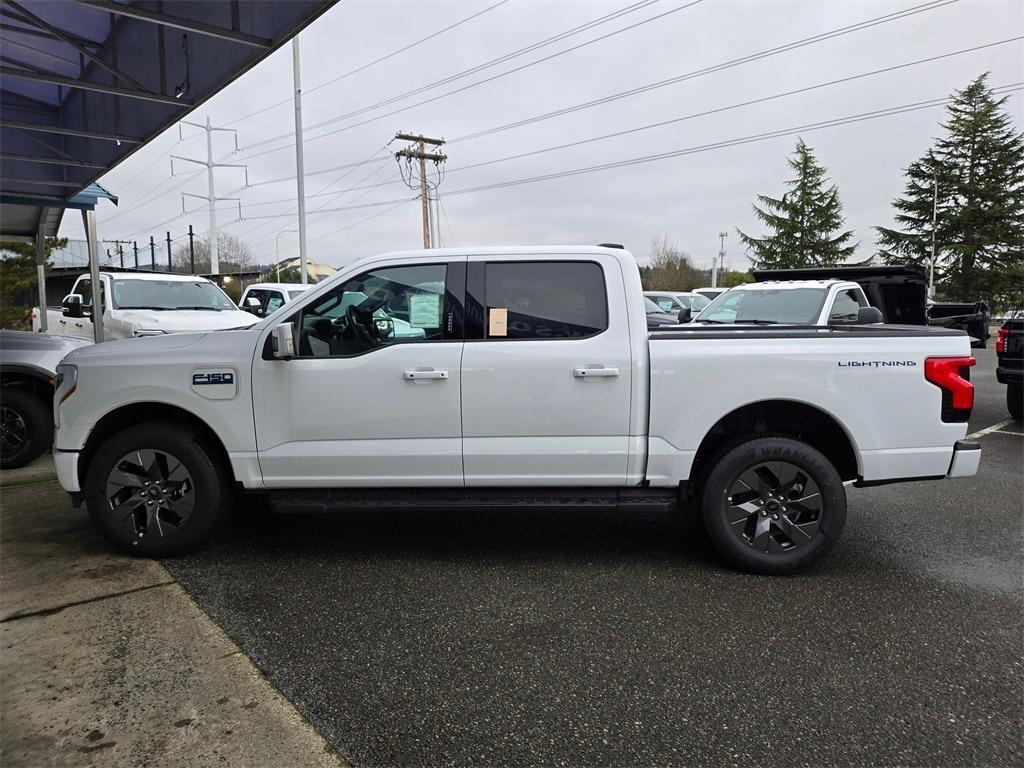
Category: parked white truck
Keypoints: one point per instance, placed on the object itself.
(142, 304)
(534, 382)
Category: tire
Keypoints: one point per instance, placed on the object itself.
(27, 425)
(782, 520)
(1015, 401)
(158, 468)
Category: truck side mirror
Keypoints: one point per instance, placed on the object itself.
(869, 316)
(685, 315)
(282, 341)
(252, 304)
(71, 306)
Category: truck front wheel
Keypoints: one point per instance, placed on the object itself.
(156, 490)
(773, 505)
(26, 427)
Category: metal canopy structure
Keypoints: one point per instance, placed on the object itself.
(85, 84)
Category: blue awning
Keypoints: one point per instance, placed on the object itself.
(85, 84)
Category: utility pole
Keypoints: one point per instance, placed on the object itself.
(191, 251)
(935, 219)
(211, 198)
(721, 260)
(300, 174)
(120, 252)
(152, 254)
(170, 268)
(135, 247)
(418, 152)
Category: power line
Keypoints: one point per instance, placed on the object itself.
(801, 43)
(738, 105)
(828, 35)
(479, 82)
(835, 122)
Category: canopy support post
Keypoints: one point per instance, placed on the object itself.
(41, 275)
(89, 220)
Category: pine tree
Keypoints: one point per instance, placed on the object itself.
(976, 175)
(804, 221)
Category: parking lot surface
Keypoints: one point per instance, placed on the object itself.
(521, 638)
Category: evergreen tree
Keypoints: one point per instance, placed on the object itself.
(805, 221)
(976, 174)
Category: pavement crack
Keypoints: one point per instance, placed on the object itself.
(18, 615)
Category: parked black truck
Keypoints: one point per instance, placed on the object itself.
(1010, 368)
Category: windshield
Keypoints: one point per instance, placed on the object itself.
(169, 294)
(651, 308)
(698, 302)
(798, 306)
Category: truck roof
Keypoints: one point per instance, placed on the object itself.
(790, 284)
(522, 250)
(165, 276)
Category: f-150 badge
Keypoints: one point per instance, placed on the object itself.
(225, 377)
(215, 383)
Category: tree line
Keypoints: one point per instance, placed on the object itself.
(970, 183)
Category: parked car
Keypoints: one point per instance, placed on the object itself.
(28, 365)
(792, 302)
(262, 299)
(710, 293)
(685, 305)
(1010, 365)
(534, 382)
(143, 304)
(656, 317)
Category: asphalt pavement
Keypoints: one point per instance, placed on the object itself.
(524, 638)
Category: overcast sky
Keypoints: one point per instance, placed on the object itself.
(690, 198)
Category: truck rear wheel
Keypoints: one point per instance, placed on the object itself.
(26, 427)
(773, 505)
(156, 490)
(1015, 401)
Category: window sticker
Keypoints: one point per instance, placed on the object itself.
(425, 310)
(498, 322)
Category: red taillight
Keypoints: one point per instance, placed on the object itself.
(1001, 341)
(952, 376)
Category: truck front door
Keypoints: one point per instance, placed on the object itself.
(546, 373)
(372, 396)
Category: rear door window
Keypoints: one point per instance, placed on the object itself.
(542, 300)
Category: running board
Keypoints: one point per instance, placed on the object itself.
(315, 501)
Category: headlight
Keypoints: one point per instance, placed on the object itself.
(64, 387)
(140, 332)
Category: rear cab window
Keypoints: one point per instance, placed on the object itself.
(523, 300)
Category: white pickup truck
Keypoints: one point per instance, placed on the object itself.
(144, 305)
(799, 302)
(531, 380)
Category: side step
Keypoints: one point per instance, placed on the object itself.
(313, 501)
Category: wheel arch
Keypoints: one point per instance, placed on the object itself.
(791, 418)
(37, 380)
(136, 413)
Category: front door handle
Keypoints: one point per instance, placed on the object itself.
(428, 374)
(594, 373)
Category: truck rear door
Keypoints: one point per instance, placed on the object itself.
(546, 372)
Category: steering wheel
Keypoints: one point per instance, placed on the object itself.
(363, 328)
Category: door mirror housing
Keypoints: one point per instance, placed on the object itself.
(685, 315)
(282, 341)
(72, 306)
(252, 304)
(869, 316)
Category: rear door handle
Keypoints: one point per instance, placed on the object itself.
(418, 375)
(594, 373)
